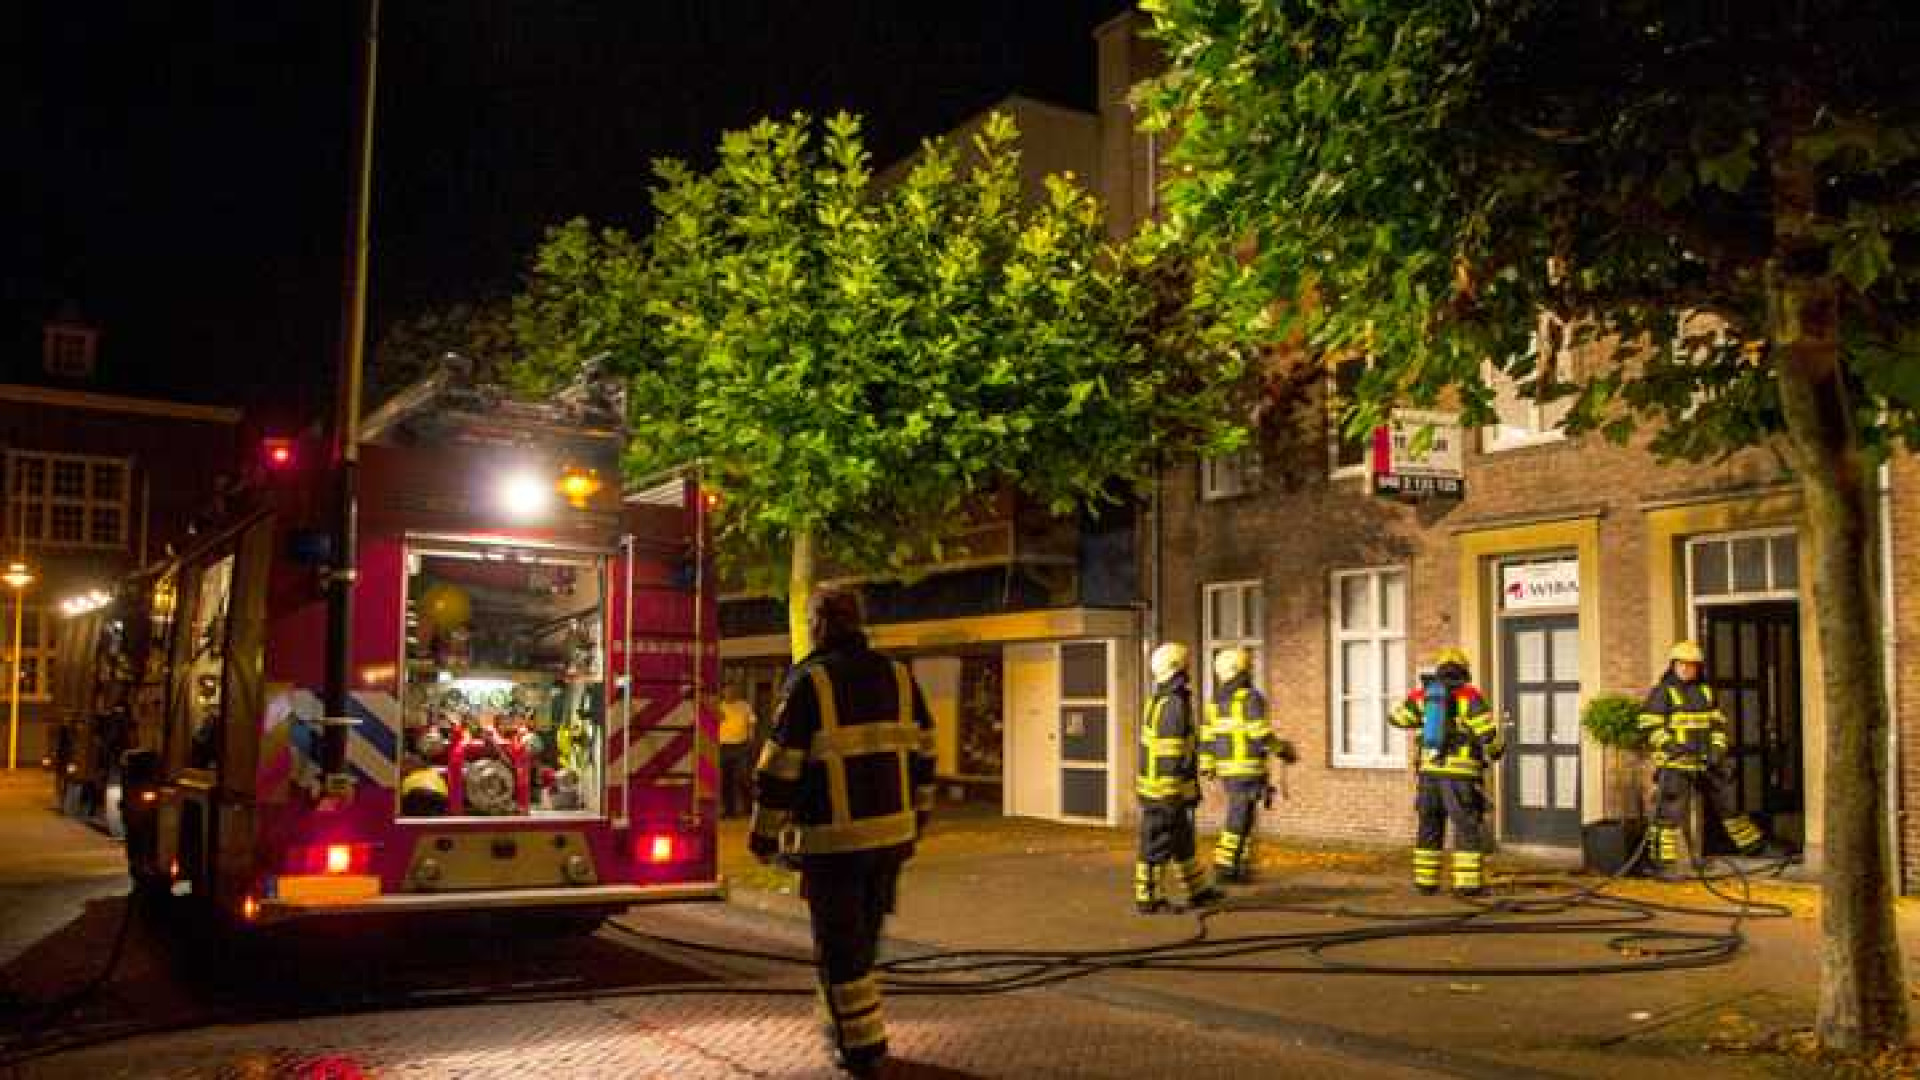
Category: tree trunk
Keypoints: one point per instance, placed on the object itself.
(801, 572)
(1863, 1006)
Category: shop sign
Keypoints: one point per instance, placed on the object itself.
(1417, 456)
(1527, 586)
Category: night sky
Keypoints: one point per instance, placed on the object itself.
(181, 169)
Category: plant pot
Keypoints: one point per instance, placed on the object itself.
(1607, 845)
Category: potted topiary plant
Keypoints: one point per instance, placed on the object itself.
(1613, 721)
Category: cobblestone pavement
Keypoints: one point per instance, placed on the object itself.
(1036, 1034)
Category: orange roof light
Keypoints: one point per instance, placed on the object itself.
(579, 484)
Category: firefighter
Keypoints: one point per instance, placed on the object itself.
(1688, 736)
(1458, 740)
(844, 786)
(1234, 745)
(1168, 787)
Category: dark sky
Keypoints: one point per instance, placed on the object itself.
(182, 171)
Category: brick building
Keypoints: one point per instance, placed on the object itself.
(1565, 571)
(97, 484)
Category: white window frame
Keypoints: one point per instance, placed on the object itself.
(1392, 752)
(1214, 637)
(1230, 476)
(1695, 601)
(37, 656)
(31, 514)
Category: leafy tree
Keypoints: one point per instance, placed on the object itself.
(480, 333)
(1725, 193)
(854, 367)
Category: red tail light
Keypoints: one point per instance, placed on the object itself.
(660, 848)
(331, 859)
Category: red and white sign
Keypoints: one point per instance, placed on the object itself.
(1530, 586)
(1417, 455)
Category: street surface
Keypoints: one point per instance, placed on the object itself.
(375, 1002)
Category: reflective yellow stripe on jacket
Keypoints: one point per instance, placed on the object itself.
(1683, 737)
(831, 747)
(1154, 747)
(1247, 755)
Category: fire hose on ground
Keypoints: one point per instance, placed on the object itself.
(1535, 907)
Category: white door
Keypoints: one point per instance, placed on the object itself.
(1032, 681)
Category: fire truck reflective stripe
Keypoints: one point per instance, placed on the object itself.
(276, 747)
(371, 742)
(661, 742)
(866, 739)
(379, 716)
(657, 754)
(837, 800)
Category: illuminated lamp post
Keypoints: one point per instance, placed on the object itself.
(17, 578)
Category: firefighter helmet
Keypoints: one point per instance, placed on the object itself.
(1686, 652)
(423, 793)
(1230, 663)
(1452, 654)
(1167, 660)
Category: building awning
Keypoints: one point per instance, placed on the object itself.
(1050, 624)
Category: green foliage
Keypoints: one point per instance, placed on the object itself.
(1613, 720)
(1417, 181)
(479, 333)
(862, 364)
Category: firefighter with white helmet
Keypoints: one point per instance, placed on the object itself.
(1459, 739)
(1168, 787)
(1235, 743)
(1688, 735)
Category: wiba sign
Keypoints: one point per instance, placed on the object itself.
(1524, 586)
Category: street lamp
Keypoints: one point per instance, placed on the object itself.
(17, 578)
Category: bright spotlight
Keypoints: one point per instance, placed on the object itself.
(525, 494)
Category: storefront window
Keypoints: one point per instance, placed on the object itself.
(505, 697)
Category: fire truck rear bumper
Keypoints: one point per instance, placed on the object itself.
(586, 896)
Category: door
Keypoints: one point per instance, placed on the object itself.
(1086, 715)
(1540, 706)
(1753, 664)
(1032, 680)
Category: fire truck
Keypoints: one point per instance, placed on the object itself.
(532, 670)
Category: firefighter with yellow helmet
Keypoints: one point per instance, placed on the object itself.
(1235, 743)
(1687, 733)
(1168, 786)
(1459, 739)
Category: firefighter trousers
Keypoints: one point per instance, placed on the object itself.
(1234, 850)
(1166, 836)
(1673, 797)
(849, 897)
(1444, 800)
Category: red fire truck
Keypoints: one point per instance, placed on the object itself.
(532, 668)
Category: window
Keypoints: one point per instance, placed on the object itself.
(1235, 614)
(1742, 567)
(67, 351)
(1369, 667)
(1231, 475)
(36, 654)
(67, 500)
(1346, 454)
(1524, 420)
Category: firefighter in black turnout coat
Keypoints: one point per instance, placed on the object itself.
(1168, 787)
(1688, 734)
(1235, 743)
(843, 788)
